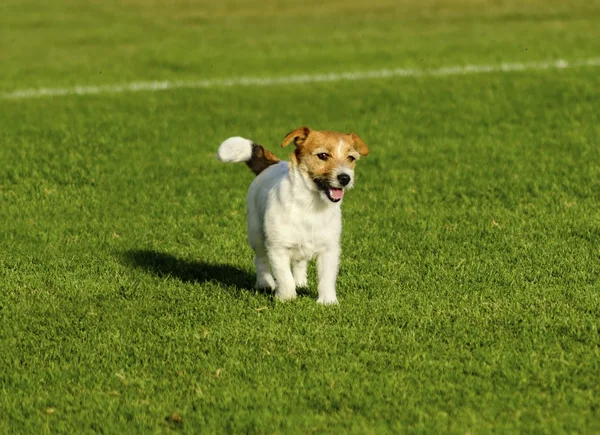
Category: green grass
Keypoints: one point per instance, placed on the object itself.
(469, 284)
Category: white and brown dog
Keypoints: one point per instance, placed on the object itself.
(293, 208)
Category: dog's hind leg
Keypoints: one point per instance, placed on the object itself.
(280, 265)
(264, 279)
(299, 271)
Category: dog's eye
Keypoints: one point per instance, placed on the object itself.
(351, 159)
(323, 156)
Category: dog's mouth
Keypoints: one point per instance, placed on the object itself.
(334, 194)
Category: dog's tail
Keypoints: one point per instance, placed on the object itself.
(238, 149)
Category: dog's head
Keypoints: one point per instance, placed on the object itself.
(327, 158)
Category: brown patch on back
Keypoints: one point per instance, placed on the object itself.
(261, 159)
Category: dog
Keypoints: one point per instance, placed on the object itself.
(293, 208)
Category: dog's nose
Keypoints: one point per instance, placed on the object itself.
(344, 179)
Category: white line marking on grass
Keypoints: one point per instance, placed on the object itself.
(295, 79)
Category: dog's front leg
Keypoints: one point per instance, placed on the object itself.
(280, 266)
(327, 266)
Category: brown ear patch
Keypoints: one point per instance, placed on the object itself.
(359, 145)
(298, 136)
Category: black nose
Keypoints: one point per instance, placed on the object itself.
(344, 179)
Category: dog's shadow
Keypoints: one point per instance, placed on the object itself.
(163, 264)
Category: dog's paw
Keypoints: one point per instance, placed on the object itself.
(284, 297)
(266, 283)
(301, 283)
(327, 300)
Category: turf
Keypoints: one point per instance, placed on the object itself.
(469, 283)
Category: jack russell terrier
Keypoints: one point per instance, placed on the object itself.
(293, 208)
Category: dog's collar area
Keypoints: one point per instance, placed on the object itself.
(334, 194)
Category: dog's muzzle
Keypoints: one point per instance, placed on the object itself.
(334, 194)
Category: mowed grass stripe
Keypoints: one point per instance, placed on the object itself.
(297, 79)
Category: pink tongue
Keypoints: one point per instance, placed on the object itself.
(336, 193)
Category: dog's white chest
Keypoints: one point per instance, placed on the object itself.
(304, 233)
(309, 233)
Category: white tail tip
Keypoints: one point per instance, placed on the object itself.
(235, 149)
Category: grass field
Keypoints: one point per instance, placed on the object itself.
(469, 286)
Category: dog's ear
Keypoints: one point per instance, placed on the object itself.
(298, 136)
(359, 145)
